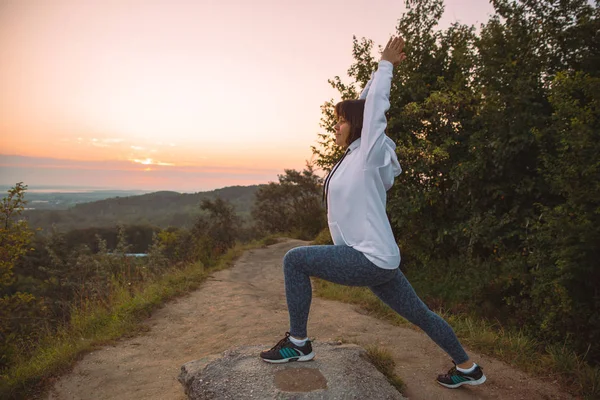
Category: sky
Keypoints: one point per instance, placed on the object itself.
(184, 95)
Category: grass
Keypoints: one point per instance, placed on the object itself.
(269, 240)
(382, 359)
(511, 346)
(93, 325)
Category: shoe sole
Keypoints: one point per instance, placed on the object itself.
(307, 357)
(472, 383)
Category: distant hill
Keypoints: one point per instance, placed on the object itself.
(162, 209)
(63, 199)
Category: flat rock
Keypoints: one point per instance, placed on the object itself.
(337, 372)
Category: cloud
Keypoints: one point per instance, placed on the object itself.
(149, 161)
(113, 140)
(126, 174)
(104, 142)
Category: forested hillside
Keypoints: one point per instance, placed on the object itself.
(160, 209)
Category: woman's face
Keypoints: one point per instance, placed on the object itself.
(342, 131)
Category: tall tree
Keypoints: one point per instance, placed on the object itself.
(221, 225)
(496, 132)
(293, 204)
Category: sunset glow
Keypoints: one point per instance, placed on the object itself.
(193, 94)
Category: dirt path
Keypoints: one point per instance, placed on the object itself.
(245, 305)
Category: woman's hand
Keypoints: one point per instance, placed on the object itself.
(393, 51)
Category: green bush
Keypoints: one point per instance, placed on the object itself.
(324, 237)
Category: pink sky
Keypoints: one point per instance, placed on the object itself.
(175, 94)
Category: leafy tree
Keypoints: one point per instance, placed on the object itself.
(565, 238)
(14, 232)
(220, 226)
(293, 204)
(20, 313)
(497, 133)
(157, 258)
(271, 212)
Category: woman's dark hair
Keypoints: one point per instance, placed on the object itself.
(352, 111)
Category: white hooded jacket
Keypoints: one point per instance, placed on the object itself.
(357, 185)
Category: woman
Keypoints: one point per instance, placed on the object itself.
(365, 252)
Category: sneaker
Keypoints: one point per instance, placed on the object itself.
(454, 378)
(286, 351)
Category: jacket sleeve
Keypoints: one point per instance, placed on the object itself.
(365, 91)
(377, 102)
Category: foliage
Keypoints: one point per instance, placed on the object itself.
(497, 130)
(20, 313)
(323, 238)
(510, 345)
(220, 227)
(382, 359)
(15, 235)
(293, 204)
(564, 246)
(97, 324)
(47, 279)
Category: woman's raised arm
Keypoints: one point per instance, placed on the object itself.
(377, 94)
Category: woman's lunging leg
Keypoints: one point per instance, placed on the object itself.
(338, 264)
(298, 291)
(401, 297)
